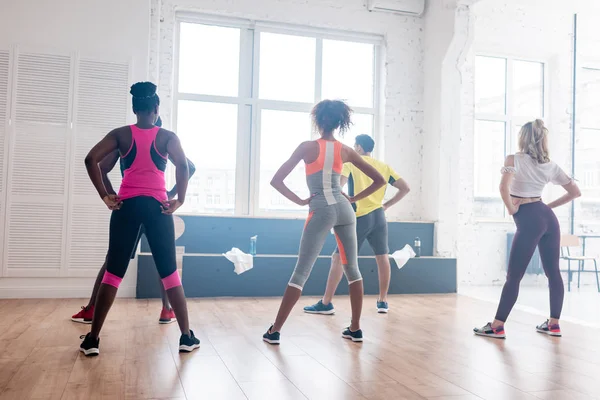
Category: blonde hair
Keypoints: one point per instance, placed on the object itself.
(533, 141)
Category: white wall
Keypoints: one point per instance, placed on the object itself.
(533, 30)
(107, 29)
(403, 90)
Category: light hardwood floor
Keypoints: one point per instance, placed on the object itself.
(422, 349)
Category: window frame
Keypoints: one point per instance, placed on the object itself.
(594, 66)
(509, 118)
(250, 106)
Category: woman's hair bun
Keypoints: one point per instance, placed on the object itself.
(143, 89)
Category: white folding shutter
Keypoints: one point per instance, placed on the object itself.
(4, 68)
(101, 104)
(4, 71)
(38, 165)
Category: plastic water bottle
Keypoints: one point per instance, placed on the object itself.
(253, 245)
(417, 247)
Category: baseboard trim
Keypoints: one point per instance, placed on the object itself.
(37, 292)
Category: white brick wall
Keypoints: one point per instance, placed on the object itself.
(403, 76)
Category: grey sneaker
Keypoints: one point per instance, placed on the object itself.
(487, 330)
(552, 330)
(320, 308)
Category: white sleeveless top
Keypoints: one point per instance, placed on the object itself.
(531, 177)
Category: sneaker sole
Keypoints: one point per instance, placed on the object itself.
(162, 321)
(493, 335)
(555, 334)
(382, 310)
(328, 312)
(188, 349)
(270, 341)
(90, 352)
(352, 338)
(81, 320)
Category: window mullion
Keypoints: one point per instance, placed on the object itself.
(378, 115)
(509, 107)
(319, 70)
(244, 124)
(254, 148)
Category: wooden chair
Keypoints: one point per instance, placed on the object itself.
(571, 241)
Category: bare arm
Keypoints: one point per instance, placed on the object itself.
(106, 146)
(106, 165)
(378, 181)
(177, 157)
(573, 192)
(507, 177)
(403, 190)
(285, 169)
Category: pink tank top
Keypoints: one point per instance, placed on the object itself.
(143, 167)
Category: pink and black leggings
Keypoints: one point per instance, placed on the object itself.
(124, 229)
(537, 225)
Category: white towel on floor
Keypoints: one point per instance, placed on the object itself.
(242, 262)
(402, 256)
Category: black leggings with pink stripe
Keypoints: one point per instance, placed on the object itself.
(159, 230)
(537, 225)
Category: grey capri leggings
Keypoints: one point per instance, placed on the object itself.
(341, 218)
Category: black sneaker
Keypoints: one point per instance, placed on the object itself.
(188, 343)
(89, 346)
(271, 337)
(355, 336)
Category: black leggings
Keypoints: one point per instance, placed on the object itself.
(124, 230)
(536, 226)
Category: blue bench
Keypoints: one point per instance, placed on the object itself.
(206, 273)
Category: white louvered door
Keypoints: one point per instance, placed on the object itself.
(101, 104)
(38, 165)
(4, 115)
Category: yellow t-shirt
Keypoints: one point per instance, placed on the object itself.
(358, 181)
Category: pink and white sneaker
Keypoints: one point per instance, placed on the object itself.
(552, 330)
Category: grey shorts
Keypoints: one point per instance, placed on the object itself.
(373, 228)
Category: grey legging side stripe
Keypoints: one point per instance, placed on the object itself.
(342, 219)
(536, 226)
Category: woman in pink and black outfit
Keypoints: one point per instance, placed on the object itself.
(142, 200)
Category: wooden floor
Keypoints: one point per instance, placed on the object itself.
(423, 349)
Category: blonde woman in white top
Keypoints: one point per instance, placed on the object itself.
(524, 176)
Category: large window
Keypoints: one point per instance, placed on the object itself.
(587, 148)
(508, 93)
(243, 101)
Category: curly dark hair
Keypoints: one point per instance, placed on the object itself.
(330, 115)
(144, 97)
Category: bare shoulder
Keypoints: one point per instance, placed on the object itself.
(307, 146)
(167, 133)
(348, 154)
(118, 132)
(509, 161)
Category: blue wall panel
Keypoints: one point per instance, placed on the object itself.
(214, 277)
(216, 235)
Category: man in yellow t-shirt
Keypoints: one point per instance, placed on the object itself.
(371, 224)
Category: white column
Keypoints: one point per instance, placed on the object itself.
(448, 37)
